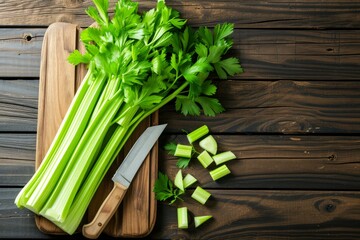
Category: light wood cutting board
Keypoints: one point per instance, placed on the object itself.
(58, 83)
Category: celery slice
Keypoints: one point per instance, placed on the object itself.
(178, 181)
(198, 220)
(224, 157)
(205, 159)
(201, 195)
(197, 133)
(189, 180)
(182, 217)
(209, 144)
(183, 151)
(219, 172)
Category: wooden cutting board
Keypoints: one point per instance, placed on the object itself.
(58, 83)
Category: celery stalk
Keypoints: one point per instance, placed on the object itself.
(205, 159)
(199, 220)
(58, 204)
(209, 144)
(43, 188)
(183, 151)
(201, 195)
(197, 133)
(182, 217)
(178, 181)
(223, 157)
(219, 172)
(74, 107)
(189, 180)
(91, 183)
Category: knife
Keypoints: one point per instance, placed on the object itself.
(122, 179)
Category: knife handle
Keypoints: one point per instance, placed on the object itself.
(106, 211)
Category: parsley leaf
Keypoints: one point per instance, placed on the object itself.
(164, 189)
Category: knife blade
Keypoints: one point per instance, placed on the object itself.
(122, 180)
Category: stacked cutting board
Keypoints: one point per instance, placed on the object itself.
(58, 83)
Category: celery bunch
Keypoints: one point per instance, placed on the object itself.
(137, 63)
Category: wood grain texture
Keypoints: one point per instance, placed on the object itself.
(278, 162)
(18, 105)
(245, 13)
(17, 158)
(297, 162)
(260, 214)
(20, 51)
(265, 54)
(11, 218)
(241, 214)
(286, 107)
(295, 54)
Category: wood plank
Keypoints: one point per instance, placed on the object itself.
(287, 107)
(20, 51)
(264, 54)
(293, 54)
(18, 105)
(18, 223)
(237, 214)
(244, 214)
(252, 107)
(17, 158)
(278, 162)
(297, 162)
(245, 13)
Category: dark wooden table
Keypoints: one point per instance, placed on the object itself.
(293, 119)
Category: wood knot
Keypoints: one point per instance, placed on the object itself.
(330, 207)
(327, 205)
(27, 37)
(332, 157)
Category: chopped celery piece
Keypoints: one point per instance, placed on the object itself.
(189, 180)
(209, 144)
(183, 151)
(201, 195)
(178, 181)
(182, 217)
(201, 219)
(205, 159)
(197, 133)
(219, 172)
(223, 157)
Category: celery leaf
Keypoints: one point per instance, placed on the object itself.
(170, 147)
(183, 162)
(211, 106)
